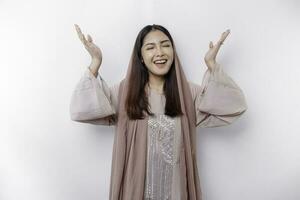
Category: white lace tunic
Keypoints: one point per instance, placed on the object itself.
(164, 145)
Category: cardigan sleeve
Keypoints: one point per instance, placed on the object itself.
(219, 101)
(93, 101)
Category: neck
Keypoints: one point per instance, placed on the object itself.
(156, 82)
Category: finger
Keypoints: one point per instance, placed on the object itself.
(89, 38)
(81, 35)
(224, 35)
(218, 45)
(211, 44)
(78, 29)
(84, 39)
(222, 39)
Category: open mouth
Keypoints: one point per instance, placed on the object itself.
(160, 63)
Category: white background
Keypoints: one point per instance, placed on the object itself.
(46, 156)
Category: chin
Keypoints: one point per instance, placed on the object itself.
(160, 71)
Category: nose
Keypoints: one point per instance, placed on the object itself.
(159, 51)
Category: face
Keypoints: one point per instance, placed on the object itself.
(157, 53)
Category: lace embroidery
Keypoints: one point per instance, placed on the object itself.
(161, 158)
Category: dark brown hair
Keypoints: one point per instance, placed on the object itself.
(137, 99)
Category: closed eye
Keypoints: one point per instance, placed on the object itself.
(152, 47)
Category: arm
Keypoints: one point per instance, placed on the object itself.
(218, 101)
(93, 101)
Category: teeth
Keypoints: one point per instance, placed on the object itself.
(160, 61)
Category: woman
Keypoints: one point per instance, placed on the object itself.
(156, 111)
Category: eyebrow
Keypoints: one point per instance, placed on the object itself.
(160, 42)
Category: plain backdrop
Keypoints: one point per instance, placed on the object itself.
(46, 156)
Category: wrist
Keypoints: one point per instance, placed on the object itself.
(96, 61)
(93, 71)
(211, 65)
(94, 67)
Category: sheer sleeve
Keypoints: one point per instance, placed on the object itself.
(93, 101)
(218, 101)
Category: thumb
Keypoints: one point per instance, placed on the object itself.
(89, 38)
(211, 44)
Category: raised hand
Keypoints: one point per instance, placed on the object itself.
(210, 56)
(92, 48)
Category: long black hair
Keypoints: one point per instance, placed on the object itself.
(137, 99)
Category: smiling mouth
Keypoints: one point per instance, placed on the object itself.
(160, 63)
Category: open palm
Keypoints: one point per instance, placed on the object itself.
(89, 45)
(210, 56)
